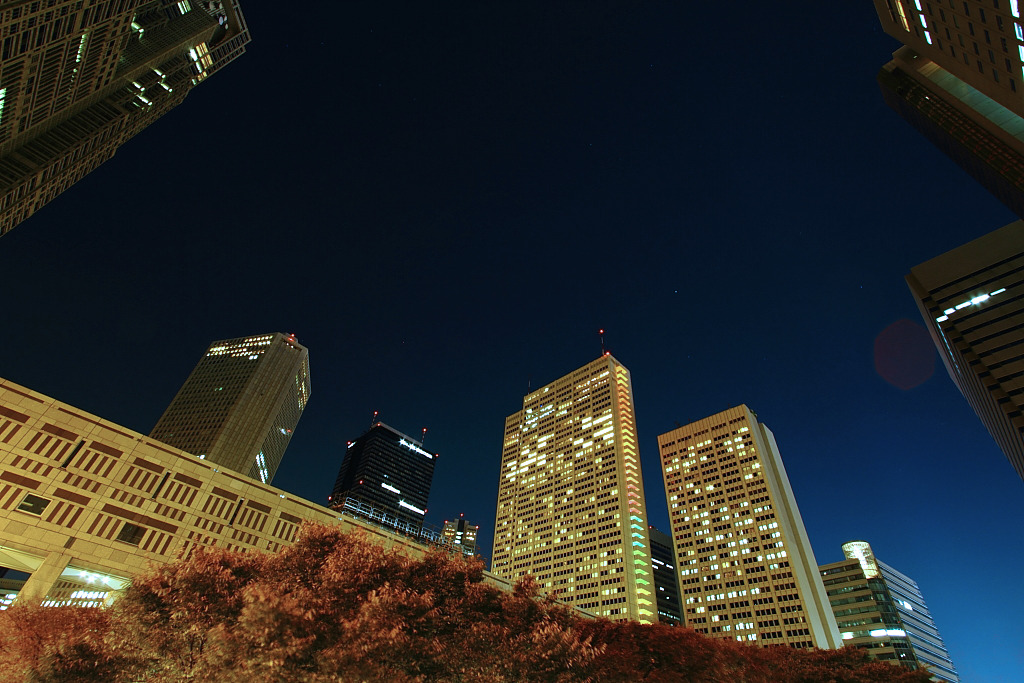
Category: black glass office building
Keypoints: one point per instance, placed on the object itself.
(388, 471)
(666, 577)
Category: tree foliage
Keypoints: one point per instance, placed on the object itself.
(336, 607)
(658, 654)
(59, 645)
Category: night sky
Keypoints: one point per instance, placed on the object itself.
(446, 201)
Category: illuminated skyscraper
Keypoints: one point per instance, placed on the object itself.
(241, 404)
(388, 471)
(972, 300)
(746, 566)
(78, 80)
(571, 508)
(959, 81)
(460, 534)
(882, 611)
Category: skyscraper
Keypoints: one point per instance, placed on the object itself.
(666, 577)
(78, 80)
(460, 534)
(571, 508)
(959, 81)
(745, 563)
(389, 471)
(972, 300)
(882, 610)
(241, 403)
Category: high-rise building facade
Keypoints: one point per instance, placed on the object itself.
(389, 471)
(241, 403)
(79, 79)
(458, 533)
(666, 577)
(571, 507)
(959, 81)
(746, 567)
(972, 300)
(883, 611)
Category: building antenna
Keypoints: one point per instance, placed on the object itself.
(424, 437)
(601, 333)
(374, 418)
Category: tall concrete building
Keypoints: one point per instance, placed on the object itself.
(972, 300)
(571, 507)
(240, 405)
(745, 563)
(389, 471)
(459, 533)
(959, 81)
(883, 611)
(79, 79)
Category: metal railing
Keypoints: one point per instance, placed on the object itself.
(426, 534)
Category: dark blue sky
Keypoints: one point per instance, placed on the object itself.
(445, 202)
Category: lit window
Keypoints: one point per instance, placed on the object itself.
(903, 15)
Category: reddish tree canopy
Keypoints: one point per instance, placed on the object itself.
(335, 606)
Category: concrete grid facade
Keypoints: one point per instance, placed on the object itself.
(746, 567)
(79, 78)
(86, 504)
(571, 509)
